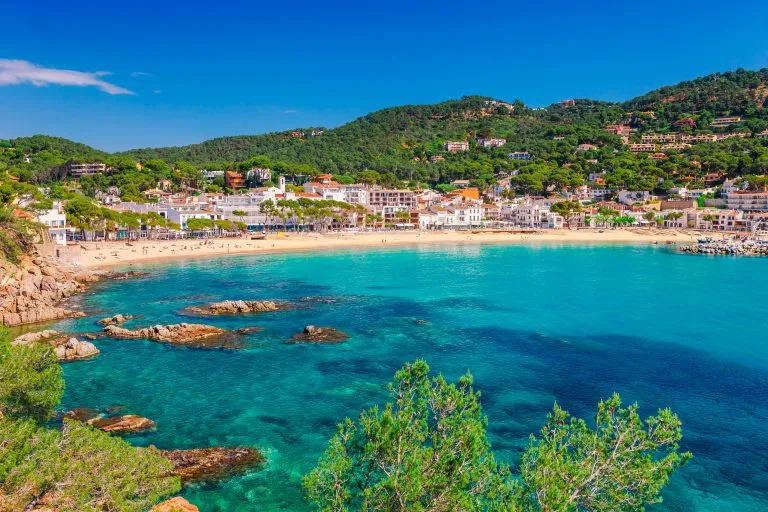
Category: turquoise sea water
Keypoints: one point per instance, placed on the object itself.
(533, 324)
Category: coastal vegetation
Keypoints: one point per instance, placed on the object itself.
(427, 449)
(72, 469)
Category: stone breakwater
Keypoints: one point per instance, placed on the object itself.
(748, 247)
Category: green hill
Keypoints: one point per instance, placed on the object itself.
(399, 142)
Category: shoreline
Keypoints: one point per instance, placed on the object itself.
(101, 255)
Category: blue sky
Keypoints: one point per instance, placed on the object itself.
(167, 73)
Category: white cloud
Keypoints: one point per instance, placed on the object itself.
(290, 111)
(141, 73)
(157, 91)
(15, 72)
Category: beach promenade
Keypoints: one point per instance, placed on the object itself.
(103, 254)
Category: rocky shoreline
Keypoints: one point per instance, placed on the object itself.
(35, 290)
(732, 247)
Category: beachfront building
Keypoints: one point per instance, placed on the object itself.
(180, 217)
(533, 214)
(747, 200)
(78, 169)
(379, 199)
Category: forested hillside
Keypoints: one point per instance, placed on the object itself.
(567, 141)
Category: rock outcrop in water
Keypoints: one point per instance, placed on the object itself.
(211, 464)
(126, 424)
(312, 334)
(238, 307)
(184, 334)
(66, 348)
(176, 504)
(118, 319)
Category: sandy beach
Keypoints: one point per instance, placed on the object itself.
(105, 254)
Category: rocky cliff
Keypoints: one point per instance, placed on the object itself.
(33, 290)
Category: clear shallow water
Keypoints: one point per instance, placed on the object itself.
(533, 324)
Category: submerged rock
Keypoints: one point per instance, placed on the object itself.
(83, 414)
(122, 424)
(116, 320)
(238, 307)
(122, 276)
(192, 335)
(176, 504)
(210, 464)
(312, 334)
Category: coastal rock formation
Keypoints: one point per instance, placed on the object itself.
(66, 348)
(73, 349)
(122, 424)
(31, 291)
(237, 307)
(116, 320)
(83, 414)
(176, 504)
(192, 335)
(312, 334)
(210, 464)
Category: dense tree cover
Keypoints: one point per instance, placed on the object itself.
(75, 469)
(427, 450)
(396, 144)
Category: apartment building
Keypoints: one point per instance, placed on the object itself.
(725, 121)
(747, 201)
(491, 143)
(378, 199)
(642, 148)
(456, 146)
(78, 169)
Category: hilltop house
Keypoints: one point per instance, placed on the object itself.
(455, 146)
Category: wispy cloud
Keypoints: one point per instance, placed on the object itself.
(141, 73)
(15, 72)
(157, 91)
(290, 111)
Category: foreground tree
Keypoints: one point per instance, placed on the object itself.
(31, 384)
(621, 464)
(428, 451)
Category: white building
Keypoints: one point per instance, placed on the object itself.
(630, 197)
(747, 200)
(491, 143)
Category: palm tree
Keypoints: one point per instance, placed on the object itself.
(709, 218)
